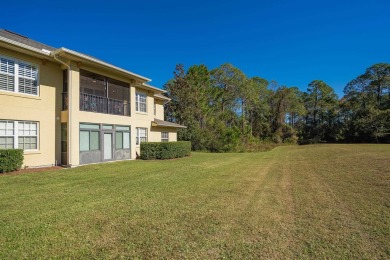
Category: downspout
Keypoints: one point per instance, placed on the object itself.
(69, 111)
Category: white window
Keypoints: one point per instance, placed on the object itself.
(164, 136)
(142, 135)
(7, 74)
(27, 135)
(18, 76)
(140, 102)
(18, 134)
(7, 134)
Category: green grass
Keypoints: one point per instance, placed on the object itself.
(316, 201)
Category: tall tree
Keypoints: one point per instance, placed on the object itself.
(366, 105)
(190, 96)
(322, 103)
(227, 82)
(379, 77)
(224, 110)
(284, 102)
(257, 108)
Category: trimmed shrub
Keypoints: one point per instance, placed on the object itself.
(165, 150)
(11, 160)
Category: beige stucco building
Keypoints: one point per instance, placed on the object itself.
(67, 108)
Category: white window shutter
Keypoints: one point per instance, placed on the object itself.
(27, 79)
(7, 74)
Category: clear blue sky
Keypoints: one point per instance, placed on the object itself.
(292, 42)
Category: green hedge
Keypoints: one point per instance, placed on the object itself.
(165, 150)
(11, 160)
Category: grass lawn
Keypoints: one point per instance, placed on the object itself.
(311, 201)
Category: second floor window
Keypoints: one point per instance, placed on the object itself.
(18, 76)
(140, 102)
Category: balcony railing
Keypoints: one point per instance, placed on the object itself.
(99, 104)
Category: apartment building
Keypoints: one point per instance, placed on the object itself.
(68, 108)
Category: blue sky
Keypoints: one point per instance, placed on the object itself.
(292, 42)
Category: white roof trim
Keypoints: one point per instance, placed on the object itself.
(152, 87)
(162, 97)
(83, 56)
(25, 46)
(78, 54)
(161, 123)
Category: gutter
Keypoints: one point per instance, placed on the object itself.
(69, 132)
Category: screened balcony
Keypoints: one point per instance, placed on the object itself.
(101, 94)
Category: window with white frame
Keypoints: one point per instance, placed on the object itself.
(140, 102)
(142, 135)
(27, 135)
(18, 134)
(18, 76)
(7, 134)
(164, 136)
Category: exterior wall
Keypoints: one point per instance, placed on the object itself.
(78, 116)
(155, 134)
(140, 119)
(136, 119)
(73, 120)
(159, 109)
(45, 109)
(173, 135)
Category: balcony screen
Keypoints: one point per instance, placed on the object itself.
(92, 84)
(118, 90)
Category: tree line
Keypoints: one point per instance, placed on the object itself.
(224, 110)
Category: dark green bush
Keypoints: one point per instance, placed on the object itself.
(11, 160)
(165, 150)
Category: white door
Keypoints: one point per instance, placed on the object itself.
(107, 153)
